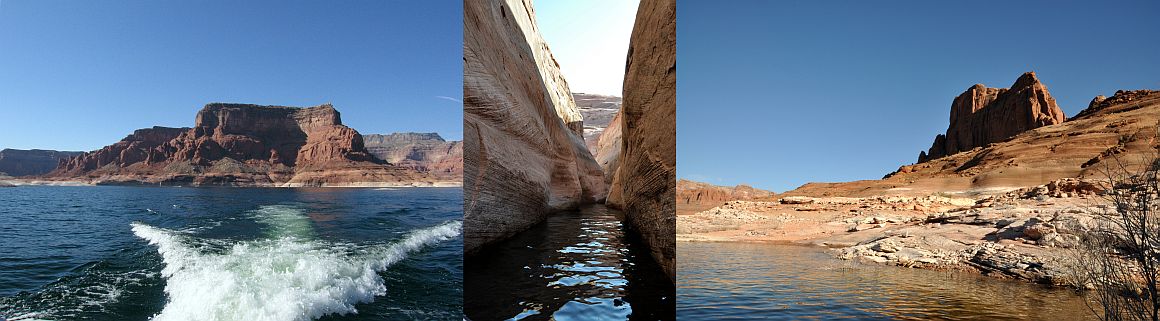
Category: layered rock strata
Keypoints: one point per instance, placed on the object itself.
(696, 193)
(524, 153)
(17, 162)
(423, 152)
(645, 182)
(241, 144)
(598, 112)
(982, 115)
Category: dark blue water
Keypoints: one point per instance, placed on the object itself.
(136, 253)
(578, 265)
(729, 281)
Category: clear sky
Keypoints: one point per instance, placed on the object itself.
(79, 75)
(780, 93)
(589, 39)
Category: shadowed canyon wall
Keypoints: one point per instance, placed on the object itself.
(524, 153)
(645, 182)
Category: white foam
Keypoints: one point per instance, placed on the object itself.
(284, 278)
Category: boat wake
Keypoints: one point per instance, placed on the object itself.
(289, 275)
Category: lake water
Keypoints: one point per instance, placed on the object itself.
(729, 281)
(138, 253)
(579, 265)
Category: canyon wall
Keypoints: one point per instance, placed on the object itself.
(598, 112)
(241, 144)
(423, 152)
(524, 153)
(16, 162)
(646, 177)
(982, 115)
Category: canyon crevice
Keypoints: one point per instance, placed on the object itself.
(524, 149)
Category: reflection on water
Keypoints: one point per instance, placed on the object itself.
(578, 265)
(724, 281)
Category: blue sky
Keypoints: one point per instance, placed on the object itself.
(589, 39)
(780, 93)
(78, 75)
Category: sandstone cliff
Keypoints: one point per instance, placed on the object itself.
(982, 115)
(423, 152)
(16, 162)
(598, 112)
(524, 155)
(1124, 127)
(242, 144)
(645, 181)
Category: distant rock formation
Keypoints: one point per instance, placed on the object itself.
(598, 112)
(524, 153)
(982, 115)
(423, 152)
(693, 192)
(241, 144)
(645, 182)
(18, 162)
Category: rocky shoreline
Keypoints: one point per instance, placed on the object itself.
(1024, 234)
(1008, 199)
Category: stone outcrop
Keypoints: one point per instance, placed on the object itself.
(598, 112)
(698, 193)
(524, 153)
(646, 177)
(1121, 97)
(982, 115)
(17, 162)
(423, 152)
(241, 144)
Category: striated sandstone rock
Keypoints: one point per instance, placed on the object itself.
(16, 162)
(241, 144)
(423, 152)
(982, 115)
(524, 155)
(608, 148)
(646, 178)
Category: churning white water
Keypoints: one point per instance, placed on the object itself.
(287, 276)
